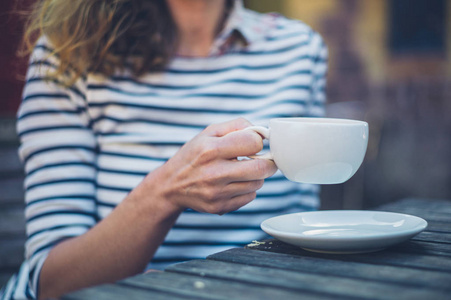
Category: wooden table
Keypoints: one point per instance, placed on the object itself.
(417, 269)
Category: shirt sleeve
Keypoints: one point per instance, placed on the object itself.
(58, 149)
(319, 71)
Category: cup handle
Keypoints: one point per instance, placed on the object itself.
(264, 132)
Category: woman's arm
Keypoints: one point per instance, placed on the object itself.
(121, 245)
(66, 248)
(204, 175)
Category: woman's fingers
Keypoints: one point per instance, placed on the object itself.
(249, 170)
(238, 201)
(235, 189)
(204, 174)
(221, 129)
(231, 204)
(239, 143)
(225, 171)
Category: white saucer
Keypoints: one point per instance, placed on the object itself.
(344, 231)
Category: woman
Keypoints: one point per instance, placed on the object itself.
(116, 136)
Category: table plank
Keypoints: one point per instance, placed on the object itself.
(425, 262)
(439, 227)
(420, 247)
(437, 211)
(433, 237)
(212, 288)
(440, 206)
(368, 270)
(307, 281)
(429, 216)
(120, 292)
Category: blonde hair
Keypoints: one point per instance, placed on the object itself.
(103, 35)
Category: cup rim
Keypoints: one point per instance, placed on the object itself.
(319, 120)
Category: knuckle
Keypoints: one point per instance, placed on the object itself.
(220, 211)
(260, 168)
(243, 122)
(257, 141)
(209, 196)
(259, 184)
(250, 196)
(212, 128)
(254, 141)
(216, 209)
(265, 168)
(209, 151)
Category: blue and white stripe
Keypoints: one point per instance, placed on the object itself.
(87, 146)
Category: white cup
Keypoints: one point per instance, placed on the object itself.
(315, 150)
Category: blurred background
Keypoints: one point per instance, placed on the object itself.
(388, 66)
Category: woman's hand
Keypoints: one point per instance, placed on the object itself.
(205, 174)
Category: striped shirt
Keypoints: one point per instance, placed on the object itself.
(87, 146)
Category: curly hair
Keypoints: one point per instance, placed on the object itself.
(104, 35)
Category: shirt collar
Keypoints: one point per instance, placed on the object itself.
(242, 26)
(249, 24)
